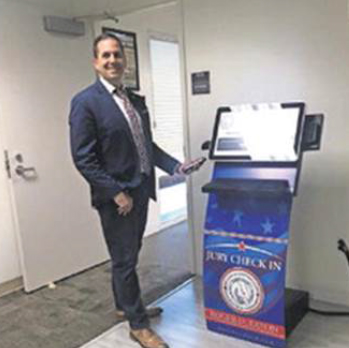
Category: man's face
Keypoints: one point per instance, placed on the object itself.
(110, 62)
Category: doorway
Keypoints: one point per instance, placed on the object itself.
(168, 126)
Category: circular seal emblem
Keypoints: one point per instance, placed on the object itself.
(242, 291)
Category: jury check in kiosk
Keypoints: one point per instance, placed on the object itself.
(257, 153)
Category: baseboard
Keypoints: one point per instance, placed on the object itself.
(11, 286)
(324, 292)
(169, 224)
(339, 297)
(173, 291)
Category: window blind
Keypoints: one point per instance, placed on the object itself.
(167, 97)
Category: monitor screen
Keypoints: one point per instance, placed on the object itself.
(258, 132)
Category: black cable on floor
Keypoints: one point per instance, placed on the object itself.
(330, 314)
(342, 246)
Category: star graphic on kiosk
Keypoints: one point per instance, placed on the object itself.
(209, 219)
(267, 226)
(242, 246)
(238, 215)
(214, 206)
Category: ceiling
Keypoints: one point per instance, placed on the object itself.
(88, 7)
(95, 7)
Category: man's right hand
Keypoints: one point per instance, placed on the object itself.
(124, 203)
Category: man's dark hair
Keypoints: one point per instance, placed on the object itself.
(105, 36)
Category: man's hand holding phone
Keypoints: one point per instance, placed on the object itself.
(191, 166)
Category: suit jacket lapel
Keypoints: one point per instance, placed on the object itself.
(115, 111)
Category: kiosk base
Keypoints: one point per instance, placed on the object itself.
(297, 305)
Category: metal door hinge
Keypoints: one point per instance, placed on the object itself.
(7, 164)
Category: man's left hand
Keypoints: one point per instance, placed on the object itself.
(191, 166)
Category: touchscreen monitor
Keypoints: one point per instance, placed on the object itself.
(258, 132)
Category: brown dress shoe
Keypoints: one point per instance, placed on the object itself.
(152, 312)
(147, 338)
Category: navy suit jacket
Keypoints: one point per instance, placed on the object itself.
(102, 145)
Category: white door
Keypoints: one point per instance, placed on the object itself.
(59, 233)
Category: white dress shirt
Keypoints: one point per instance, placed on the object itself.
(119, 102)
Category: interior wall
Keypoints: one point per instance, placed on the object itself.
(280, 50)
(256, 51)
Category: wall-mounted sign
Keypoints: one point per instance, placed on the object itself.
(200, 82)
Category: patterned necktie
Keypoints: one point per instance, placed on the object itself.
(137, 131)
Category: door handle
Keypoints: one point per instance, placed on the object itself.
(25, 172)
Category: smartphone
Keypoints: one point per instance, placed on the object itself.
(194, 165)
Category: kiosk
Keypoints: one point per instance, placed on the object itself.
(257, 153)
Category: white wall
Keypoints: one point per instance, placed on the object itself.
(256, 50)
(280, 50)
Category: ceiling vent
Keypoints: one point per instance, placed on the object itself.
(65, 26)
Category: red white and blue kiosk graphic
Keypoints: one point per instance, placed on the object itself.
(257, 153)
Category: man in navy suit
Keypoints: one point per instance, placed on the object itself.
(112, 148)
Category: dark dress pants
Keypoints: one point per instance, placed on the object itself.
(123, 236)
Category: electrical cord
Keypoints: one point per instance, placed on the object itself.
(342, 246)
(330, 314)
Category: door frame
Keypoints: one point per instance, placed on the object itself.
(15, 281)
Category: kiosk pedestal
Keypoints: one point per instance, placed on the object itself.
(258, 154)
(245, 248)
